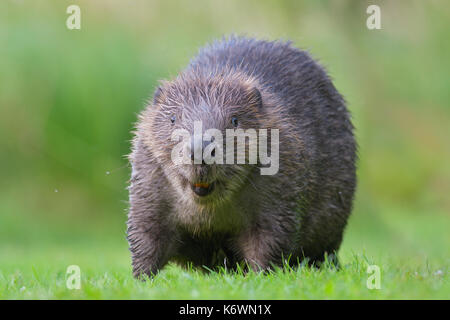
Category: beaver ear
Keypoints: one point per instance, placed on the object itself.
(254, 97)
(158, 96)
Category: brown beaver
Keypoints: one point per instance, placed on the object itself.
(211, 214)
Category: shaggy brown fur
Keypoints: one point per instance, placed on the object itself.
(299, 212)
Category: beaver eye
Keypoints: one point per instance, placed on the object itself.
(172, 119)
(234, 121)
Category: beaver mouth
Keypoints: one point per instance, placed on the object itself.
(202, 188)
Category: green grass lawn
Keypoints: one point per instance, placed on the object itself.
(113, 281)
(45, 280)
(413, 265)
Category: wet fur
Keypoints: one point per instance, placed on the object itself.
(299, 212)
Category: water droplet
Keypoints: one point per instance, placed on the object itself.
(439, 273)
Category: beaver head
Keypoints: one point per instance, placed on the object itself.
(193, 116)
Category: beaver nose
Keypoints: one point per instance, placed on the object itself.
(198, 145)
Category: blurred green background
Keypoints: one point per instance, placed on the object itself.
(69, 98)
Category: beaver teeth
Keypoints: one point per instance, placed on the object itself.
(202, 188)
(201, 185)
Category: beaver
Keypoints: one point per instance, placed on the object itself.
(231, 214)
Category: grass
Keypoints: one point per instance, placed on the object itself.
(68, 100)
(413, 265)
(115, 282)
